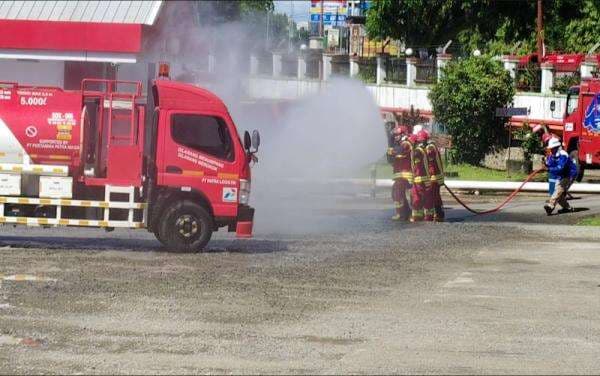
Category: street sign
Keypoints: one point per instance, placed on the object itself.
(511, 111)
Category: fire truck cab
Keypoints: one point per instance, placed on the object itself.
(106, 156)
(581, 124)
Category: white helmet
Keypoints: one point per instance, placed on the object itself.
(553, 143)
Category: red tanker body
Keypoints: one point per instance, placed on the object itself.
(104, 156)
(41, 124)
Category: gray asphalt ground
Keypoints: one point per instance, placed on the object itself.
(328, 285)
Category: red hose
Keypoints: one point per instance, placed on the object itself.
(506, 201)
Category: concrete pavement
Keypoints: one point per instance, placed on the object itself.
(348, 292)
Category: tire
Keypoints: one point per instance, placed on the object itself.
(574, 155)
(185, 227)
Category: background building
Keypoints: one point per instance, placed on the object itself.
(58, 43)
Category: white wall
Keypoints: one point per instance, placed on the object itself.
(43, 73)
(396, 96)
(282, 88)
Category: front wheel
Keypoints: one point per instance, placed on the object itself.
(185, 227)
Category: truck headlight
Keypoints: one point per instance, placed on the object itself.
(244, 191)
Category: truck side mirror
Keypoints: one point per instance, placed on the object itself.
(255, 140)
(552, 106)
(247, 140)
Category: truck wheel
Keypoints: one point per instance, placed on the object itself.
(574, 155)
(185, 227)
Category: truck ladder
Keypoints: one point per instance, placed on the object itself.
(130, 192)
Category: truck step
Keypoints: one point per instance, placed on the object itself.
(69, 202)
(34, 221)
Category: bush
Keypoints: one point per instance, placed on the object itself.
(465, 101)
(562, 84)
(531, 142)
(367, 71)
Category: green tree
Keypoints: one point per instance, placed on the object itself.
(497, 27)
(581, 34)
(416, 22)
(465, 99)
(217, 12)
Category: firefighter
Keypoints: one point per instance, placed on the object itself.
(546, 137)
(434, 208)
(565, 171)
(400, 156)
(421, 179)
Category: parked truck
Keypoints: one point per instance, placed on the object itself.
(106, 156)
(581, 124)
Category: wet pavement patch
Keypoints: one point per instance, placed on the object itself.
(332, 340)
(15, 341)
(26, 278)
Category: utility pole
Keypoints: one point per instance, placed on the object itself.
(290, 25)
(540, 31)
(321, 23)
(268, 30)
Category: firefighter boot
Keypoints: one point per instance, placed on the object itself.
(398, 215)
(402, 210)
(439, 215)
(428, 215)
(417, 216)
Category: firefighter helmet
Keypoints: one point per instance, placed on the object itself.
(548, 136)
(412, 138)
(422, 136)
(400, 130)
(553, 143)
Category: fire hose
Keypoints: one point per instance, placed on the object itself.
(508, 199)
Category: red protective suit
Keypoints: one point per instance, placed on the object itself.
(434, 208)
(403, 177)
(420, 183)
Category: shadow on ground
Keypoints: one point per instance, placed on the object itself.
(250, 246)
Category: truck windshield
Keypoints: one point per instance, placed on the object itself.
(572, 98)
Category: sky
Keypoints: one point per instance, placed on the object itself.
(297, 9)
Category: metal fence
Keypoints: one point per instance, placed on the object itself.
(340, 65)
(529, 78)
(289, 65)
(313, 66)
(265, 64)
(395, 70)
(426, 72)
(367, 70)
(242, 65)
(564, 80)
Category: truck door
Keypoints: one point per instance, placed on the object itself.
(588, 150)
(198, 154)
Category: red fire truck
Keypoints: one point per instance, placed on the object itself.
(562, 62)
(105, 156)
(581, 124)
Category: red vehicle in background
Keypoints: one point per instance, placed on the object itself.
(105, 156)
(561, 62)
(581, 124)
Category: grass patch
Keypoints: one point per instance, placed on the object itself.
(464, 171)
(591, 221)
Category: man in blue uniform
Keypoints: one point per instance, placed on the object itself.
(562, 168)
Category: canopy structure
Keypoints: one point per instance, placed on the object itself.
(90, 31)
